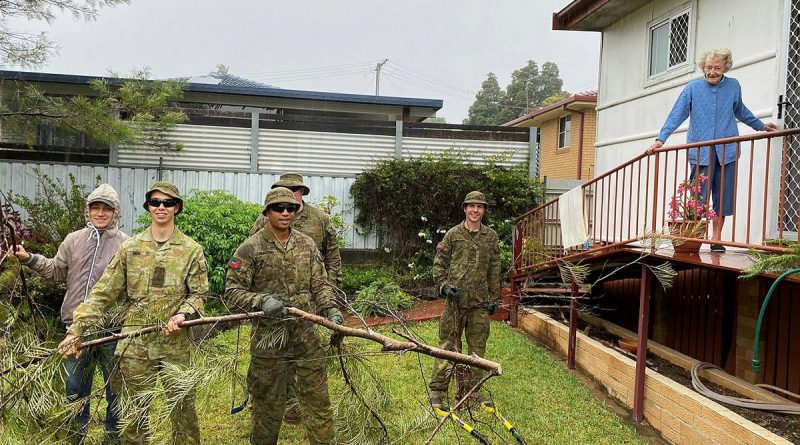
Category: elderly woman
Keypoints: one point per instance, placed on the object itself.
(713, 105)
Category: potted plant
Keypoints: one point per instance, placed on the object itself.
(688, 215)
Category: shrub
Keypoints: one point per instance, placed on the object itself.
(411, 203)
(328, 204)
(219, 222)
(354, 278)
(382, 297)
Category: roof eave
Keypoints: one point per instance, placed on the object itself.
(593, 15)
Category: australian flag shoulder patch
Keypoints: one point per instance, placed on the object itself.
(234, 263)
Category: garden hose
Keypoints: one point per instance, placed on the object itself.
(472, 431)
(756, 361)
(763, 405)
(491, 409)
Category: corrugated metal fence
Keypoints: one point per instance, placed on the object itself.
(132, 183)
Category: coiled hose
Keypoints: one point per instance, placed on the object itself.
(763, 405)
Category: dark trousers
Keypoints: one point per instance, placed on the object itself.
(80, 373)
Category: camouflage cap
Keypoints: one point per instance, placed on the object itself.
(166, 188)
(290, 181)
(475, 197)
(279, 195)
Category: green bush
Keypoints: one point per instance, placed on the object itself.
(411, 203)
(218, 221)
(382, 297)
(356, 278)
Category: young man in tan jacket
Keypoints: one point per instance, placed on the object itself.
(81, 259)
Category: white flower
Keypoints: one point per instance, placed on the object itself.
(410, 265)
(423, 218)
(441, 231)
(421, 234)
(507, 221)
(387, 250)
(429, 241)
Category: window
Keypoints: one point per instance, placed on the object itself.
(669, 42)
(564, 131)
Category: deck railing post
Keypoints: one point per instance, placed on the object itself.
(516, 252)
(573, 325)
(641, 345)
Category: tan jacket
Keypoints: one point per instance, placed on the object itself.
(82, 257)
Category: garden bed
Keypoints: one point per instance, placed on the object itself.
(681, 415)
(784, 425)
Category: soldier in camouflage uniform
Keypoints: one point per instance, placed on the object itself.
(466, 270)
(315, 223)
(280, 266)
(162, 276)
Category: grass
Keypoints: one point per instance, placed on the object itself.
(543, 400)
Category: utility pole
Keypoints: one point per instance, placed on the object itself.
(378, 76)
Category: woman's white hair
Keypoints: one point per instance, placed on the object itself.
(721, 54)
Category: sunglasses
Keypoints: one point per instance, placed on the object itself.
(280, 208)
(171, 202)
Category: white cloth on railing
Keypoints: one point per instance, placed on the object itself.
(573, 222)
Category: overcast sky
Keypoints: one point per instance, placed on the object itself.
(437, 49)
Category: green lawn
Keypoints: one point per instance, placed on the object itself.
(546, 403)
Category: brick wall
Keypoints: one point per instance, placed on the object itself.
(681, 415)
(562, 163)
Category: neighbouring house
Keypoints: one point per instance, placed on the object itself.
(648, 54)
(566, 133)
(242, 134)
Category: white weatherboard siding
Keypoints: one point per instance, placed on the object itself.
(205, 146)
(631, 111)
(332, 154)
(631, 108)
(132, 183)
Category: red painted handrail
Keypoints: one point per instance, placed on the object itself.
(609, 200)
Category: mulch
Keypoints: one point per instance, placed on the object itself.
(424, 310)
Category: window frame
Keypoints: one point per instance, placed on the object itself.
(688, 66)
(564, 138)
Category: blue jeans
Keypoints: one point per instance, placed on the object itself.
(80, 373)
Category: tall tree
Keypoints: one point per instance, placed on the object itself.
(131, 111)
(528, 89)
(488, 106)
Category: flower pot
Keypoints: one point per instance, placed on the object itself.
(687, 229)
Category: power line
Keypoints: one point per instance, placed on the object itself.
(427, 78)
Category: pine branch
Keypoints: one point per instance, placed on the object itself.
(389, 344)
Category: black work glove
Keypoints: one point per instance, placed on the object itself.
(271, 306)
(448, 291)
(491, 308)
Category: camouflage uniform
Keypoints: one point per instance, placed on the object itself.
(156, 282)
(294, 274)
(470, 261)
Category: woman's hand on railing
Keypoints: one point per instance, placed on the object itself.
(770, 127)
(656, 145)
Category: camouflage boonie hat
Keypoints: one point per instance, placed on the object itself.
(278, 195)
(475, 197)
(166, 188)
(290, 181)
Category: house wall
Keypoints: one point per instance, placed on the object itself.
(631, 109)
(561, 163)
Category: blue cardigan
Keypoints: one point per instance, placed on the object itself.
(713, 110)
